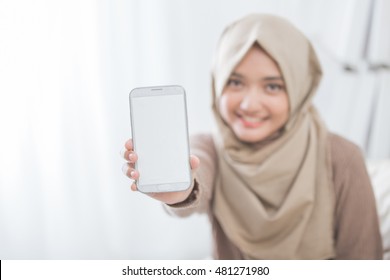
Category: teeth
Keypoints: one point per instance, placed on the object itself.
(251, 119)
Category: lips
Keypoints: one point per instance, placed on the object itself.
(251, 122)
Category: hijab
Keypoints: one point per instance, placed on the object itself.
(274, 199)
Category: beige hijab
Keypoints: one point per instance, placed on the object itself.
(274, 199)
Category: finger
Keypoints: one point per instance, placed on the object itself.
(127, 148)
(134, 187)
(129, 144)
(130, 156)
(130, 165)
(130, 172)
(194, 161)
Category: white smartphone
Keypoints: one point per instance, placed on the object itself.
(160, 138)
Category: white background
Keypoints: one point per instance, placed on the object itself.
(66, 68)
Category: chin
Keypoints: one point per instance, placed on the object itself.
(251, 140)
(249, 137)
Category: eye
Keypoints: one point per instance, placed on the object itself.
(234, 83)
(273, 88)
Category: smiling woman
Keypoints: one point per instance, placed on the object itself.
(275, 182)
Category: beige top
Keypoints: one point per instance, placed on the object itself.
(356, 225)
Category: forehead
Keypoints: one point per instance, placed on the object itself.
(257, 62)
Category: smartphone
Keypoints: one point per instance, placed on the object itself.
(159, 131)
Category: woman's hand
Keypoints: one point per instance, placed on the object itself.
(168, 197)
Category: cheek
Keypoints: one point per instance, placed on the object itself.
(226, 106)
(281, 109)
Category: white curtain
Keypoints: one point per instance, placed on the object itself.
(355, 52)
(66, 68)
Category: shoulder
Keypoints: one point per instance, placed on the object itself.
(349, 170)
(344, 153)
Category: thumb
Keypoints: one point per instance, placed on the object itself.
(194, 161)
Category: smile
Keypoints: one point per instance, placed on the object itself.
(251, 122)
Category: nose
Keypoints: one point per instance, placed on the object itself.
(252, 101)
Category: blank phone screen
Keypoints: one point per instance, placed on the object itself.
(161, 138)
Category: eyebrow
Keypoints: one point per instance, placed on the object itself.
(271, 78)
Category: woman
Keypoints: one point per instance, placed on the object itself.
(274, 182)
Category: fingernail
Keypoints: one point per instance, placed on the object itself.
(132, 173)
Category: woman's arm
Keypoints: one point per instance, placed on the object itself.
(202, 146)
(357, 233)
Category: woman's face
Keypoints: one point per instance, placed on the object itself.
(254, 102)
